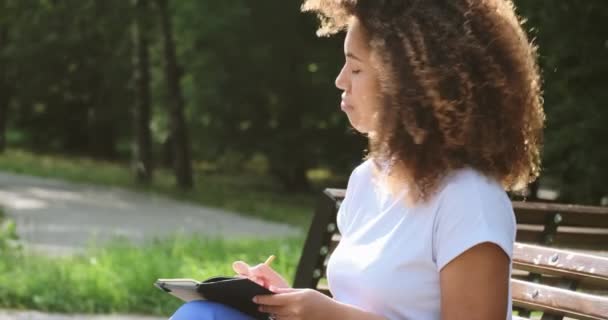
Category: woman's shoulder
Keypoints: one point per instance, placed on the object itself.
(470, 182)
(471, 190)
(363, 171)
(471, 209)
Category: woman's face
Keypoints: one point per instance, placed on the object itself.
(358, 81)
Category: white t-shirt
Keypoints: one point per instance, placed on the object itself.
(390, 255)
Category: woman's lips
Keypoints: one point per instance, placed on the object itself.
(345, 107)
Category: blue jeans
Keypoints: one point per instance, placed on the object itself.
(207, 310)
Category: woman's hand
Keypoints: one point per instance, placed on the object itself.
(262, 274)
(298, 304)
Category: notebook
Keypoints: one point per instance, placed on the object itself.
(235, 292)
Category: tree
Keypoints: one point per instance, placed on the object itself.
(4, 87)
(142, 157)
(256, 80)
(573, 51)
(266, 83)
(178, 132)
(70, 68)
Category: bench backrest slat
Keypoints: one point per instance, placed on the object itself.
(566, 264)
(310, 268)
(564, 225)
(568, 237)
(558, 301)
(536, 213)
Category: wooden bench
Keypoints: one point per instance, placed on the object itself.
(563, 225)
(544, 278)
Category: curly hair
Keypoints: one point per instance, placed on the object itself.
(459, 83)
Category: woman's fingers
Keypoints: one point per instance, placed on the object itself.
(277, 312)
(244, 271)
(258, 280)
(262, 271)
(261, 274)
(241, 268)
(266, 272)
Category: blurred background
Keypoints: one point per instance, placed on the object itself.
(212, 127)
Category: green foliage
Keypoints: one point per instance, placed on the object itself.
(573, 47)
(8, 236)
(69, 64)
(120, 277)
(257, 81)
(265, 88)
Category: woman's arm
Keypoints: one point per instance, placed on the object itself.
(348, 312)
(308, 304)
(475, 285)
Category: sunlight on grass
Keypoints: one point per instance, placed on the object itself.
(120, 277)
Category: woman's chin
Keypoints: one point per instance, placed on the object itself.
(359, 127)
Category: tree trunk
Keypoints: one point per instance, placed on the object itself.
(167, 157)
(182, 163)
(142, 158)
(4, 89)
(4, 99)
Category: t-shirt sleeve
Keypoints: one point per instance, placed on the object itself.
(469, 213)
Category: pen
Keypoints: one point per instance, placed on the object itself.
(269, 260)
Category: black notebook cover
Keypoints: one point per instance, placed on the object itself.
(234, 292)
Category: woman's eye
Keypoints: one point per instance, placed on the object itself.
(356, 71)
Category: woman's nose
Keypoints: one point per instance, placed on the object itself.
(341, 81)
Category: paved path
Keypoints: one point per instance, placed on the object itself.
(34, 315)
(58, 217)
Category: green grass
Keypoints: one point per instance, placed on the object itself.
(119, 277)
(247, 193)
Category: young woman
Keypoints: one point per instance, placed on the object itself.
(448, 93)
